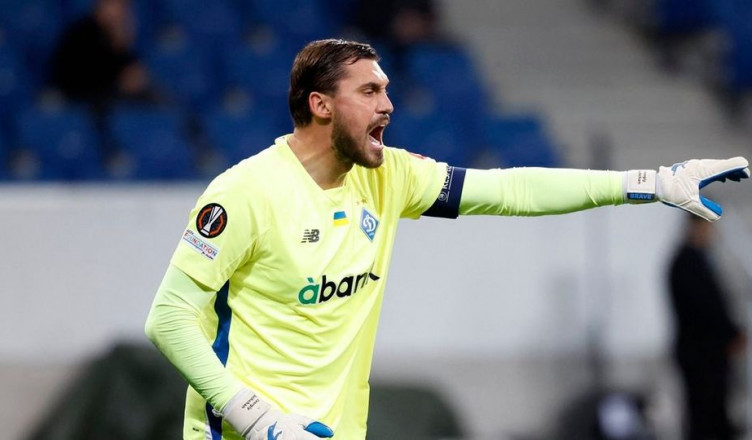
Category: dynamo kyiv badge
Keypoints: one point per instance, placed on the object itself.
(368, 224)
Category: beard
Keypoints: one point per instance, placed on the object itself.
(351, 151)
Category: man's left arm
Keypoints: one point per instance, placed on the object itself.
(544, 191)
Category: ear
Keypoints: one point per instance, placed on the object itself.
(320, 105)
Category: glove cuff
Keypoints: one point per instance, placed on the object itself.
(244, 411)
(640, 186)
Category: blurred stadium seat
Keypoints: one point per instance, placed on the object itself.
(75, 9)
(734, 18)
(261, 69)
(443, 66)
(238, 134)
(731, 20)
(340, 12)
(183, 70)
(3, 158)
(421, 128)
(14, 90)
(62, 139)
(32, 26)
(673, 16)
(153, 142)
(520, 140)
(448, 73)
(216, 22)
(149, 23)
(200, 54)
(297, 21)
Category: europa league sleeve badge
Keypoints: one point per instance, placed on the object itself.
(211, 220)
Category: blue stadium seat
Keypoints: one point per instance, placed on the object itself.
(33, 27)
(520, 141)
(738, 62)
(683, 16)
(299, 21)
(237, 135)
(217, 22)
(421, 128)
(14, 90)
(725, 11)
(445, 67)
(340, 12)
(182, 69)
(4, 157)
(64, 141)
(74, 9)
(262, 71)
(153, 140)
(448, 72)
(734, 18)
(149, 23)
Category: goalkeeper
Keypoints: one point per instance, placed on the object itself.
(270, 303)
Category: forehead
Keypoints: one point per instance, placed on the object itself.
(364, 71)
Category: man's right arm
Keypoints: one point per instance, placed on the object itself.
(173, 326)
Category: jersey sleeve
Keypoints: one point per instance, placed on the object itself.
(419, 178)
(221, 232)
(173, 326)
(538, 191)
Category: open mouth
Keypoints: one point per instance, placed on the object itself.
(376, 135)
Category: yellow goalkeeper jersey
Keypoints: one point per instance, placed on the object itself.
(300, 274)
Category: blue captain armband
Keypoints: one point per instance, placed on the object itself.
(447, 204)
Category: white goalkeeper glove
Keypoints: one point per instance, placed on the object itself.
(679, 185)
(255, 419)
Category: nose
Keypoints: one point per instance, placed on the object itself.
(385, 104)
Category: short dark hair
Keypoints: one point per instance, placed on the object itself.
(317, 68)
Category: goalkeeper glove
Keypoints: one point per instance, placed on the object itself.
(679, 185)
(255, 419)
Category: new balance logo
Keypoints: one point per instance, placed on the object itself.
(310, 236)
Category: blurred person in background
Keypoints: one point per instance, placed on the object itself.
(397, 23)
(95, 62)
(706, 336)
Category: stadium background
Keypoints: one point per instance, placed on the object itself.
(503, 317)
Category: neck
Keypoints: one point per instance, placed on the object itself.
(312, 145)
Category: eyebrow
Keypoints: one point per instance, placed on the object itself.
(374, 85)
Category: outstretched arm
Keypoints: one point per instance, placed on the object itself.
(545, 191)
(538, 191)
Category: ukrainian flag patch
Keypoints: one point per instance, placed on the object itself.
(340, 218)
